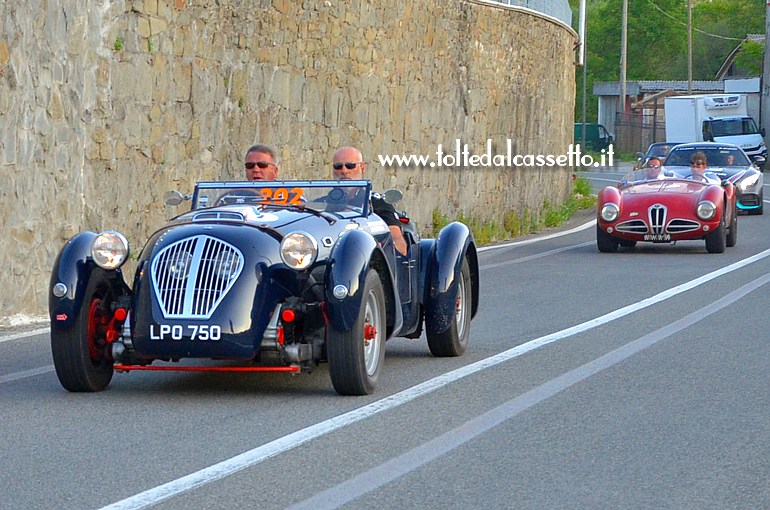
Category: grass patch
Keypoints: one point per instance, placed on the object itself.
(514, 224)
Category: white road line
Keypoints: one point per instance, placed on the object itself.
(261, 453)
(614, 181)
(26, 373)
(353, 488)
(536, 256)
(538, 239)
(16, 336)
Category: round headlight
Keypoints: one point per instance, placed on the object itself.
(227, 265)
(610, 212)
(178, 265)
(109, 250)
(299, 250)
(706, 210)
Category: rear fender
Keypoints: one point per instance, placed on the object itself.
(453, 244)
(351, 257)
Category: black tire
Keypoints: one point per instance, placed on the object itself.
(732, 232)
(355, 360)
(717, 240)
(452, 340)
(605, 242)
(79, 351)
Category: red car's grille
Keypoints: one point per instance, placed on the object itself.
(657, 217)
(192, 276)
(632, 227)
(679, 226)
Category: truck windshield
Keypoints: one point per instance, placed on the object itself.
(733, 127)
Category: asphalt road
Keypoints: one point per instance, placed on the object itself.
(630, 380)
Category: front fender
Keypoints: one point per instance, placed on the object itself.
(349, 260)
(453, 244)
(73, 268)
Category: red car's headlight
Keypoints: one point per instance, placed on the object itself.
(706, 210)
(610, 212)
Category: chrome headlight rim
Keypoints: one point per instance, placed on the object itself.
(109, 250)
(610, 211)
(299, 250)
(706, 210)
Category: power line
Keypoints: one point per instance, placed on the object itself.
(684, 24)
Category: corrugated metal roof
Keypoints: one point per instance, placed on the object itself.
(634, 88)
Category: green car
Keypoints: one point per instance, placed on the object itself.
(597, 136)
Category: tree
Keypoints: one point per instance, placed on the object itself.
(657, 39)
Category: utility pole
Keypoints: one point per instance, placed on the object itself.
(764, 106)
(689, 46)
(623, 51)
(583, 60)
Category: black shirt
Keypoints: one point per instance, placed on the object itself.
(385, 210)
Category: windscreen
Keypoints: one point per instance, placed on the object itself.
(734, 127)
(329, 196)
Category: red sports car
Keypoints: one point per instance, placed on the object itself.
(665, 209)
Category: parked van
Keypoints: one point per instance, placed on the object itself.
(597, 136)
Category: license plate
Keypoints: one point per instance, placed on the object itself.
(177, 332)
(658, 238)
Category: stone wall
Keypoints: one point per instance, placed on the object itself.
(107, 104)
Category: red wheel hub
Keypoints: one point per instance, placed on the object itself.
(96, 324)
(370, 332)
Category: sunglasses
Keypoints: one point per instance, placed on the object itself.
(653, 166)
(350, 165)
(260, 164)
(698, 163)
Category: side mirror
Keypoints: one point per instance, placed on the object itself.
(174, 197)
(762, 132)
(640, 155)
(393, 196)
(759, 159)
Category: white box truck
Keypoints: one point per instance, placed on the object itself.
(714, 118)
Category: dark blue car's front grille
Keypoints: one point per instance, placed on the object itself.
(192, 276)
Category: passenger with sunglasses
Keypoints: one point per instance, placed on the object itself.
(261, 163)
(348, 164)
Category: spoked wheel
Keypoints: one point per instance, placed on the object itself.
(79, 351)
(356, 356)
(448, 336)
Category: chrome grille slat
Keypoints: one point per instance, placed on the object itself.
(632, 227)
(679, 226)
(657, 217)
(192, 276)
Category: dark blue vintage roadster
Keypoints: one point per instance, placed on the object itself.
(277, 276)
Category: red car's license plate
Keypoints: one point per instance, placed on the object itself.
(657, 238)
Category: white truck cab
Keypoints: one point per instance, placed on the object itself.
(714, 118)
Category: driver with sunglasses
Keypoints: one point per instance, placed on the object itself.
(652, 169)
(348, 164)
(261, 163)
